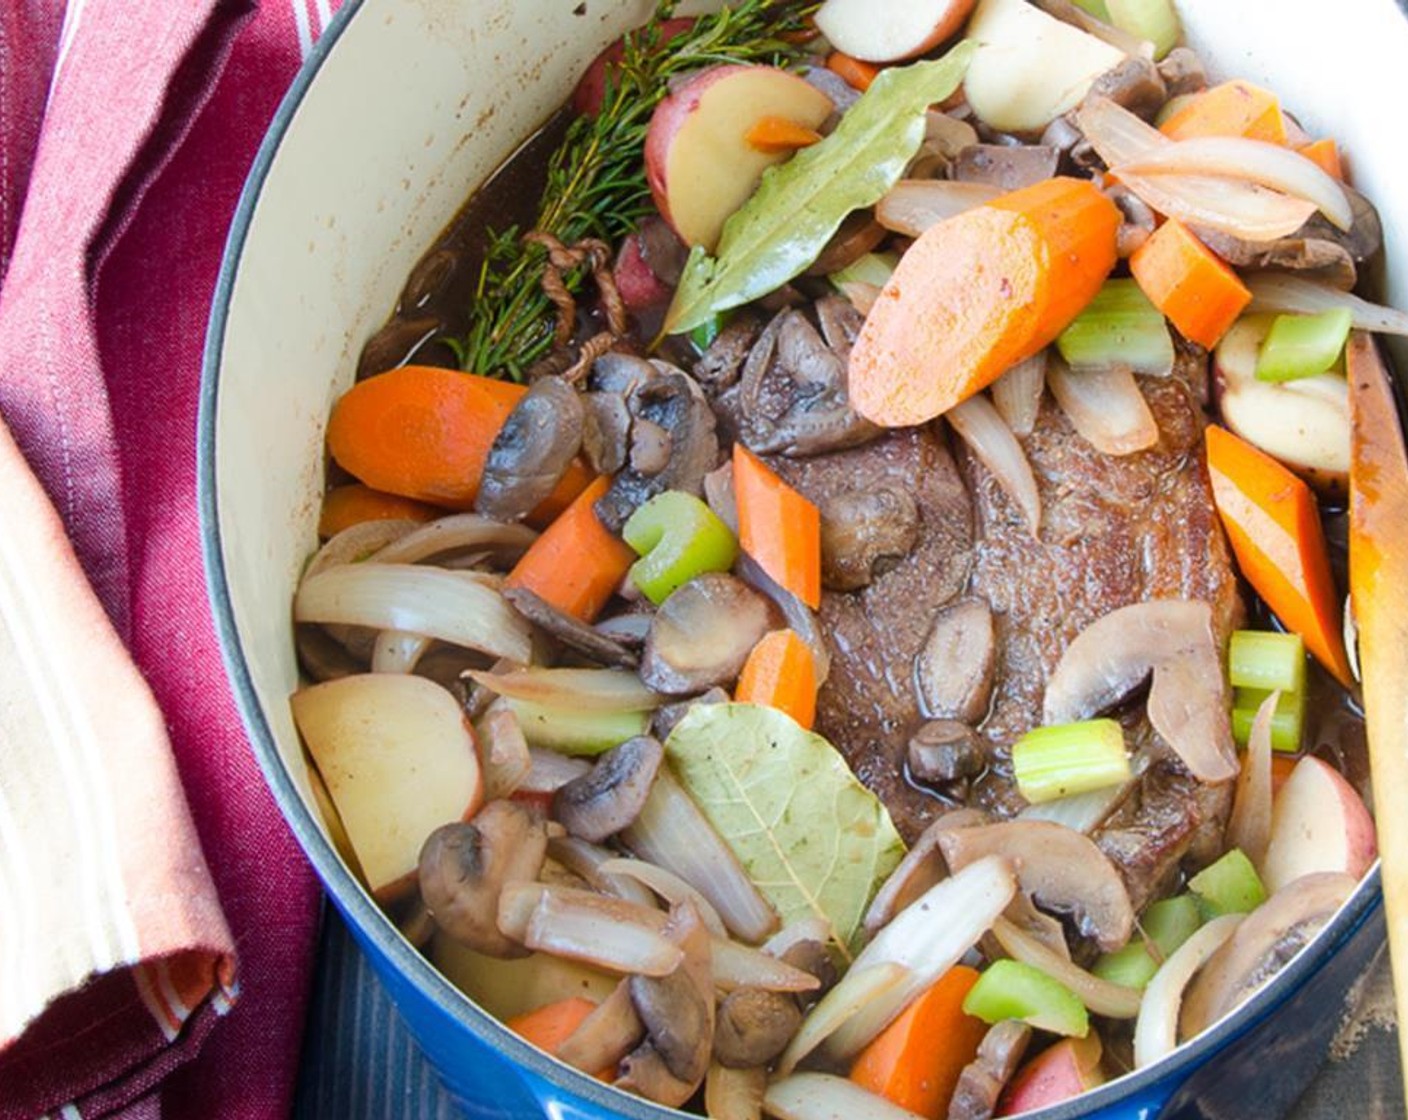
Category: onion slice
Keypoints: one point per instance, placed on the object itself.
(450, 606)
(549, 771)
(1253, 161)
(1084, 812)
(824, 1096)
(1017, 394)
(357, 543)
(1249, 827)
(396, 651)
(1117, 135)
(584, 859)
(582, 690)
(457, 533)
(606, 1035)
(1105, 406)
(1278, 291)
(858, 989)
(992, 441)
(913, 205)
(1230, 206)
(1156, 1032)
(668, 886)
(1115, 1001)
(742, 966)
(734, 1094)
(599, 931)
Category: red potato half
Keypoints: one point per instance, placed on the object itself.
(699, 163)
(1319, 823)
(398, 761)
(860, 29)
(1058, 1073)
(587, 98)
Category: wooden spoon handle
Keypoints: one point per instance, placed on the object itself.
(1378, 582)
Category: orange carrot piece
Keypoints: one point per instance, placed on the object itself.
(1281, 767)
(777, 527)
(780, 134)
(1273, 525)
(857, 74)
(345, 506)
(780, 673)
(1234, 108)
(977, 294)
(916, 1061)
(1325, 154)
(1189, 283)
(550, 1026)
(577, 563)
(576, 479)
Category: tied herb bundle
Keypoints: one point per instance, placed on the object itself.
(596, 185)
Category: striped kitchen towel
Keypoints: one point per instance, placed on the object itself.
(148, 883)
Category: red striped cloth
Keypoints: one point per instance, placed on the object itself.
(147, 881)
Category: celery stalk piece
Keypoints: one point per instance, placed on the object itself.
(1266, 660)
(1133, 966)
(1287, 723)
(1154, 20)
(1118, 328)
(704, 334)
(1009, 989)
(678, 537)
(1055, 762)
(1229, 886)
(872, 268)
(576, 732)
(1166, 925)
(1303, 345)
(1096, 8)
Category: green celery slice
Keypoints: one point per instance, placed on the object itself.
(1287, 723)
(1009, 989)
(1119, 327)
(576, 732)
(1096, 8)
(1055, 762)
(1166, 925)
(872, 268)
(1154, 20)
(1303, 345)
(678, 537)
(1133, 965)
(1266, 660)
(1229, 886)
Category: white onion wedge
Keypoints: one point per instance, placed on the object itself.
(396, 651)
(357, 542)
(810, 928)
(1116, 1001)
(606, 1035)
(1017, 394)
(583, 690)
(1105, 406)
(549, 771)
(913, 205)
(734, 1094)
(668, 886)
(451, 606)
(584, 860)
(861, 294)
(457, 533)
(1084, 812)
(672, 833)
(1156, 1032)
(1249, 827)
(1230, 206)
(503, 752)
(824, 1096)
(592, 928)
(992, 441)
(1279, 291)
(1253, 161)
(968, 903)
(1117, 135)
(742, 966)
(859, 988)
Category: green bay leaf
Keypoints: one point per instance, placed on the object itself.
(799, 204)
(814, 840)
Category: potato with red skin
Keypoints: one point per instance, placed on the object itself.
(1318, 823)
(1058, 1073)
(698, 161)
(899, 31)
(587, 98)
(640, 288)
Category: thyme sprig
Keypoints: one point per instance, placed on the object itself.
(596, 185)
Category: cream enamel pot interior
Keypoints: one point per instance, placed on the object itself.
(405, 106)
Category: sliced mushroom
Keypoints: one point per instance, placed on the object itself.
(1316, 258)
(1183, 72)
(1138, 221)
(606, 431)
(1136, 84)
(953, 672)
(1005, 166)
(606, 1035)
(943, 751)
(1057, 867)
(532, 451)
(603, 802)
(984, 1078)
(865, 533)
(1262, 945)
(677, 1011)
(503, 751)
(673, 445)
(464, 868)
(1174, 640)
(720, 366)
(661, 249)
(589, 641)
(754, 1026)
(858, 235)
(670, 714)
(702, 634)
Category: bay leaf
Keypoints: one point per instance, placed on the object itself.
(812, 838)
(799, 204)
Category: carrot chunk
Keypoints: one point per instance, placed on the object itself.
(576, 564)
(1234, 108)
(1185, 280)
(857, 74)
(354, 503)
(916, 1061)
(1273, 525)
(1325, 154)
(978, 293)
(550, 1026)
(780, 673)
(777, 527)
(780, 134)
